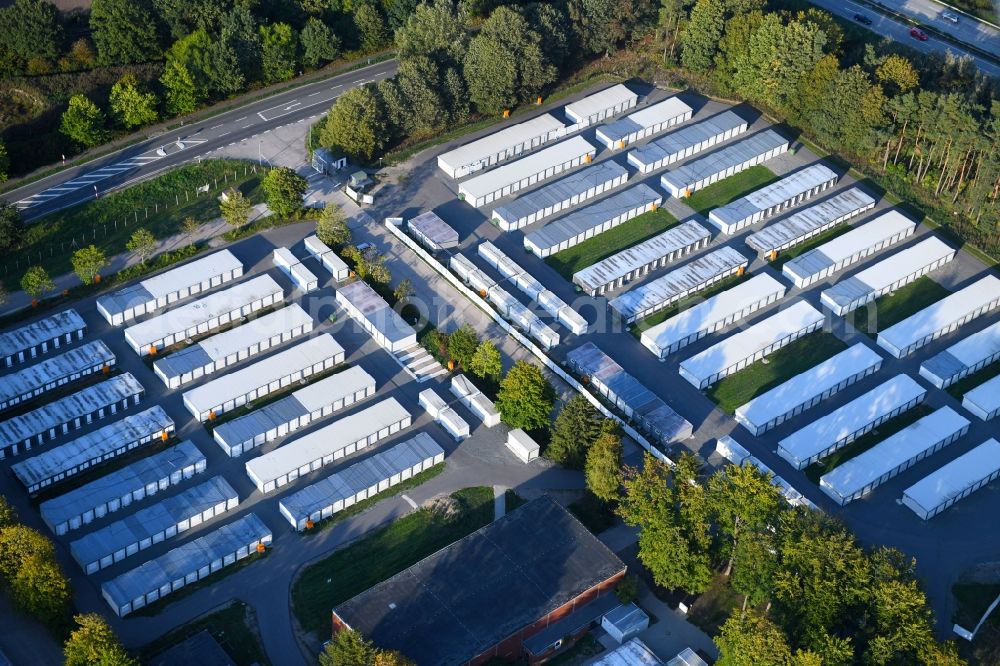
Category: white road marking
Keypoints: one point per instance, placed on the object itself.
(216, 127)
(224, 134)
(406, 498)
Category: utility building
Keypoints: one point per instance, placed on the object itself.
(375, 316)
(432, 232)
(646, 122)
(963, 358)
(40, 337)
(600, 105)
(723, 163)
(59, 370)
(331, 262)
(958, 479)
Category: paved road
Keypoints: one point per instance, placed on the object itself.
(184, 144)
(969, 29)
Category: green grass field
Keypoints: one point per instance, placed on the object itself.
(684, 304)
(604, 245)
(736, 389)
(865, 442)
(383, 554)
(729, 189)
(814, 242)
(966, 384)
(894, 308)
(229, 626)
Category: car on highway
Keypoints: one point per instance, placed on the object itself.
(917, 33)
(862, 19)
(950, 16)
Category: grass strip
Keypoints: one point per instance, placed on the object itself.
(966, 384)
(231, 627)
(893, 308)
(729, 189)
(787, 255)
(384, 553)
(685, 303)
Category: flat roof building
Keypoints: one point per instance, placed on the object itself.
(772, 199)
(523, 317)
(186, 564)
(275, 372)
(600, 105)
(444, 415)
(963, 358)
(120, 488)
(293, 267)
(326, 256)
(470, 396)
(958, 479)
(696, 275)
(592, 220)
(711, 315)
(432, 232)
(204, 315)
(361, 481)
(525, 172)
(984, 400)
(501, 145)
(471, 274)
(748, 346)
(728, 161)
(887, 275)
(638, 125)
(381, 322)
(809, 388)
(564, 193)
(942, 317)
(159, 291)
(631, 653)
(687, 141)
(230, 347)
(59, 370)
(40, 337)
(522, 445)
(94, 448)
(848, 249)
(346, 435)
(845, 424)
(868, 470)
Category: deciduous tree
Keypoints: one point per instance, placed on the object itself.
(899, 73)
(40, 589)
(88, 262)
(235, 207)
(751, 639)
(124, 31)
(462, 345)
(142, 243)
(742, 500)
(703, 34)
(403, 291)
(8, 514)
(372, 33)
(11, 226)
(190, 227)
(93, 642)
(182, 94)
(36, 282)
(347, 648)
(284, 189)
(356, 124)
(4, 163)
(279, 52)
(525, 398)
(83, 122)
(29, 29)
(131, 105)
(320, 43)
(331, 227)
(576, 427)
(603, 468)
(436, 31)
(486, 362)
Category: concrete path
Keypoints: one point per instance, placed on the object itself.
(499, 502)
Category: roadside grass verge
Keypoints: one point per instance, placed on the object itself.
(787, 255)
(684, 304)
(233, 627)
(865, 442)
(897, 306)
(736, 389)
(730, 189)
(604, 245)
(966, 384)
(384, 553)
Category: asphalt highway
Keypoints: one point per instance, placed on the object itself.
(187, 143)
(969, 29)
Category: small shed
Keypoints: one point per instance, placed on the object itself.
(358, 180)
(326, 162)
(625, 622)
(522, 445)
(433, 232)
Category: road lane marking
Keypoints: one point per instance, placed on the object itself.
(406, 498)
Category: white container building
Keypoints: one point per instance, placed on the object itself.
(728, 161)
(346, 435)
(275, 372)
(592, 220)
(471, 275)
(119, 489)
(525, 172)
(748, 346)
(731, 450)
(360, 481)
(602, 104)
(443, 414)
(638, 125)
(687, 141)
(207, 314)
(522, 445)
(636, 261)
(326, 256)
(809, 222)
(94, 448)
(647, 410)
(186, 564)
(432, 232)
(984, 400)
(845, 424)
(303, 278)
(159, 291)
(963, 358)
(713, 314)
(848, 249)
(522, 317)
(694, 276)
(564, 193)
(40, 337)
(956, 480)
(807, 389)
(295, 411)
(942, 317)
(381, 322)
(500, 145)
(734, 452)
(54, 372)
(772, 199)
(154, 524)
(860, 475)
(470, 396)
(22, 432)
(887, 275)
(230, 347)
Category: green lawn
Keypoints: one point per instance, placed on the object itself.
(604, 245)
(384, 553)
(865, 442)
(712, 608)
(811, 244)
(231, 627)
(966, 384)
(685, 303)
(730, 189)
(736, 389)
(894, 308)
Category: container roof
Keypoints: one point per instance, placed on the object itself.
(564, 189)
(788, 188)
(966, 353)
(37, 332)
(433, 228)
(535, 163)
(725, 158)
(953, 479)
(650, 116)
(792, 229)
(501, 141)
(679, 141)
(376, 311)
(36, 377)
(600, 101)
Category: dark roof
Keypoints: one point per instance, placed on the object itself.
(200, 650)
(582, 617)
(469, 596)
